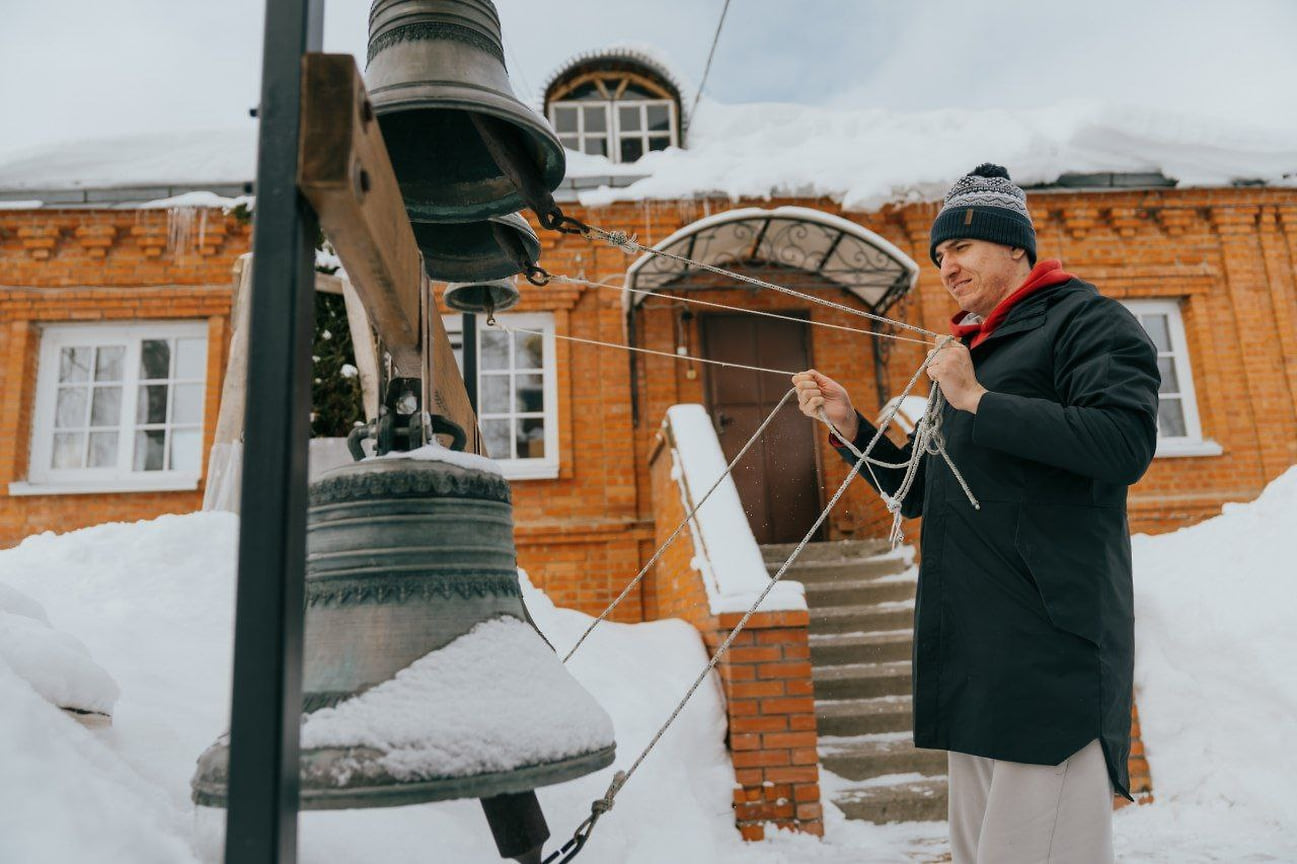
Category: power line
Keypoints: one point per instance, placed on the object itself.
(710, 54)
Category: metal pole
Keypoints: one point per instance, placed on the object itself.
(261, 825)
(469, 352)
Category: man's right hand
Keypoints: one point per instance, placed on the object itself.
(816, 391)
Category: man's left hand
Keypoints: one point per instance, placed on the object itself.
(952, 368)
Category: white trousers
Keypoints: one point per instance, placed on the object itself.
(1012, 813)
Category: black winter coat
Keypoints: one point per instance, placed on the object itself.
(1023, 625)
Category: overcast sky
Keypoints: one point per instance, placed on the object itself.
(96, 68)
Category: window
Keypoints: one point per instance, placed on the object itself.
(516, 393)
(118, 408)
(615, 116)
(1178, 429)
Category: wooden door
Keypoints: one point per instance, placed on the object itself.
(777, 480)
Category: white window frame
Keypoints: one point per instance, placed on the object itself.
(613, 133)
(547, 466)
(42, 478)
(1191, 443)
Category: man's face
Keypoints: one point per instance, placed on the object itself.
(978, 273)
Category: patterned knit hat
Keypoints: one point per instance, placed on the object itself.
(985, 205)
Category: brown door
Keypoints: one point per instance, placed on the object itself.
(777, 480)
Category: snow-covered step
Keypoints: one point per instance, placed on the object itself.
(866, 756)
(815, 572)
(867, 617)
(858, 592)
(862, 680)
(847, 717)
(861, 600)
(837, 550)
(828, 649)
(895, 798)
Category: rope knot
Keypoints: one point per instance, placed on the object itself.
(893, 504)
(620, 240)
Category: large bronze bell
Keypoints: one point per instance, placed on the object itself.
(406, 556)
(462, 146)
(494, 248)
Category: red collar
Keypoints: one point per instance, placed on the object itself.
(1043, 275)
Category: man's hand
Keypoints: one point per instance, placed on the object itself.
(952, 368)
(816, 391)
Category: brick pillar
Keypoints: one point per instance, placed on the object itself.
(1141, 781)
(766, 676)
(771, 710)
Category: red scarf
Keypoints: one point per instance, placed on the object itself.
(1043, 275)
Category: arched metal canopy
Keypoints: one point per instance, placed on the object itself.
(827, 248)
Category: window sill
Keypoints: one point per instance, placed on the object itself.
(1180, 449)
(513, 469)
(159, 484)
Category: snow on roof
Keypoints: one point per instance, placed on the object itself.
(216, 158)
(868, 158)
(864, 158)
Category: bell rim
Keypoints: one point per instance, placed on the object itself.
(451, 295)
(552, 164)
(397, 794)
(490, 271)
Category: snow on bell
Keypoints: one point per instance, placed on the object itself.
(423, 676)
(494, 248)
(462, 146)
(483, 298)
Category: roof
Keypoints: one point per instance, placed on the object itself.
(862, 158)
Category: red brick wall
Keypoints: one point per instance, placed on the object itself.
(64, 266)
(1228, 252)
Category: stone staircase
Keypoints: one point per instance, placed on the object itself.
(861, 599)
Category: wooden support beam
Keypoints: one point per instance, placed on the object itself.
(346, 174)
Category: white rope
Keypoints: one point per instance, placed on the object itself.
(681, 357)
(619, 780)
(683, 522)
(713, 305)
(928, 440)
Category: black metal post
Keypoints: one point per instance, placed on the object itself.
(469, 352)
(261, 826)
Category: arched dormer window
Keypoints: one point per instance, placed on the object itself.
(620, 105)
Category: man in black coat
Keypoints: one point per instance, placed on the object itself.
(1023, 626)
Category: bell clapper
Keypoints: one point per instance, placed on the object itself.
(490, 313)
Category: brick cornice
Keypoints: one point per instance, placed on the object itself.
(1175, 220)
(1227, 220)
(96, 238)
(1080, 221)
(1126, 221)
(40, 241)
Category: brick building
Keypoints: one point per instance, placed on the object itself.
(115, 327)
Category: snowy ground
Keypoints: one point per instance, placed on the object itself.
(152, 603)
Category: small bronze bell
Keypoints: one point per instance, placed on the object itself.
(494, 248)
(406, 556)
(462, 146)
(482, 298)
